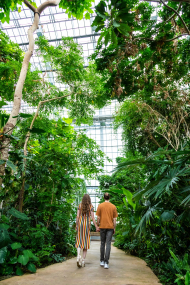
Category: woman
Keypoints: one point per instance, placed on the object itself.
(83, 223)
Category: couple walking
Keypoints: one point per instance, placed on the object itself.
(106, 223)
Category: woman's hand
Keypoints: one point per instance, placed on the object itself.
(97, 229)
(76, 228)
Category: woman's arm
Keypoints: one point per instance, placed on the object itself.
(77, 219)
(93, 219)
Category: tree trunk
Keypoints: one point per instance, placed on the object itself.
(1, 207)
(8, 128)
(21, 195)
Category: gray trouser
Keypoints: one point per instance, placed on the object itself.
(106, 237)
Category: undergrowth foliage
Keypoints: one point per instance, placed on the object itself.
(144, 61)
(153, 221)
(45, 232)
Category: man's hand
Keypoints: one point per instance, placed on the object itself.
(113, 231)
(97, 229)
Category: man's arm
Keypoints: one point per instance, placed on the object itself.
(98, 221)
(114, 224)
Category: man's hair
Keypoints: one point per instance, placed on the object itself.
(106, 196)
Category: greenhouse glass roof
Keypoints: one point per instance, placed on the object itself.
(55, 24)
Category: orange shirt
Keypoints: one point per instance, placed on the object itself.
(107, 212)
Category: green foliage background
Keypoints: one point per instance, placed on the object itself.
(144, 64)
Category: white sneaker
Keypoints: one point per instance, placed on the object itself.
(101, 263)
(79, 263)
(106, 266)
(83, 263)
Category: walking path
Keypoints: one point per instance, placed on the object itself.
(124, 270)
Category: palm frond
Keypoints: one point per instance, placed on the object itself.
(185, 189)
(127, 163)
(138, 195)
(186, 200)
(146, 218)
(165, 185)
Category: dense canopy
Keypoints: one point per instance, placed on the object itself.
(141, 61)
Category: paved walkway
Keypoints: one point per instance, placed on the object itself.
(124, 270)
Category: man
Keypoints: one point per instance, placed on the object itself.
(107, 214)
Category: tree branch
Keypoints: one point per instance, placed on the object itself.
(149, 39)
(173, 14)
(176, 37)
(30, 6)
(47, 4)
(176, 14)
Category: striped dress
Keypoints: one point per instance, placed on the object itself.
(83, 233)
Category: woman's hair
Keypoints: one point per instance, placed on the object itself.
(85, 205)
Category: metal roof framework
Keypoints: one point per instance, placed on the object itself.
(55, 24)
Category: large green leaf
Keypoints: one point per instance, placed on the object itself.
(3, 253)
(23, 259)
(4, 227)
(129, 197)
(101, 7)
(187, 278)
(102, 15)
(100, 38)
(125, 202)
(2, 103)
(4, 238)
(107, 37)
(125, 27)
(115, 24)
(119, 191)
(167, 215)
(18, 214)
(11, 165)
(28, 253)
(123, 31)
(98, 21)
(87, 16)
(16, 245)
(113, 37)
(19, 271)
(2, 161)
(31, 267)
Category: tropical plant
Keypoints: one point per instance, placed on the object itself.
(181, 266)
(161, 215)
(57, 157)
(75, 10)
(12, 254)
